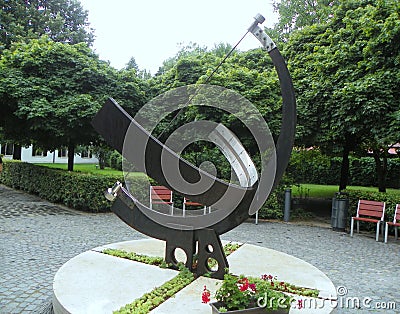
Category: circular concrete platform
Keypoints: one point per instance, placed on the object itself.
(93, 282)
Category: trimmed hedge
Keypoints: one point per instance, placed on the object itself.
(274, 206)
(115, 160)
(81, 191)
(85, 191)
(313, 167)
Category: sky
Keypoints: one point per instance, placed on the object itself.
(152, 31)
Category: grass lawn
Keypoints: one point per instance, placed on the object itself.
(89, 168)
(328, 191)
(304, 190)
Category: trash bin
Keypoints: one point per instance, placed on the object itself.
(340, 208)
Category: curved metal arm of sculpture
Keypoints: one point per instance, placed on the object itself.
(112, 122)
(235, 203)
(285, 141)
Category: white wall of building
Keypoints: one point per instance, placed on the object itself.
(51, 157)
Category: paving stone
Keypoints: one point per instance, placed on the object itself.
(38, 237)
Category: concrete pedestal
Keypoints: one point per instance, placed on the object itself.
(93, 282)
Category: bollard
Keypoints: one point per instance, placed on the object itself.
(288, 203)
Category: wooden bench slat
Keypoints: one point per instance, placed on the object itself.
(371, 203)
(372, 207)
(365, 212)
(161, 196)
(162, 202)
(160, 192)
(193, 204)
(366, 219)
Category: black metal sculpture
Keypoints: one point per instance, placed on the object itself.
(234, 202)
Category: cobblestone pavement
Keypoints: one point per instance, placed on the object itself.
(37, 238)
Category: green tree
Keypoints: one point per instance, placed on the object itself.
(132, 65)
(249, 73)
(61, 20)
(346, 75)
(51, 91)
(296, 14)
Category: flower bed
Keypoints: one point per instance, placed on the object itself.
(158, 295)
(255, 295)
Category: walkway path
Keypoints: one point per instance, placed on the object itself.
(37, 238)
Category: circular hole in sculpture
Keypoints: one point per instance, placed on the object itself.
(212, 264)
(209, 248)
(180, 255)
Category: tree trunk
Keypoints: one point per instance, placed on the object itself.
(102, 160)
(349, 145)
(71, 154)
(344, 172)
(17, 152)
(381, 170)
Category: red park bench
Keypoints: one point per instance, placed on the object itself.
(161, 195)
(369, 211)
(395, 223)
(187, 202)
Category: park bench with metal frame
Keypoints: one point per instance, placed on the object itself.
(395, 223)
(369, 211)
(187, 202)
(161, 195)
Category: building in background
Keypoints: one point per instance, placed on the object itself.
(36, 155)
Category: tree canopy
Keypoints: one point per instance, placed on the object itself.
(343, 57)
(50, 91)
(346, 75)
(61, 20)
(297, 14)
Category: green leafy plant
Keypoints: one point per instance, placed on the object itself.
(158, 295)
(231, 247)
(275, 284)
(240, 292)
(236, 293)
(150, 260)
(81, 191)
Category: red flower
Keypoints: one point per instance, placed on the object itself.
(243, 284)
(205, 296)
(300, 304)
(252, 287)
(267, 277)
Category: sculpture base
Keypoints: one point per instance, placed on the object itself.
(93, 282)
